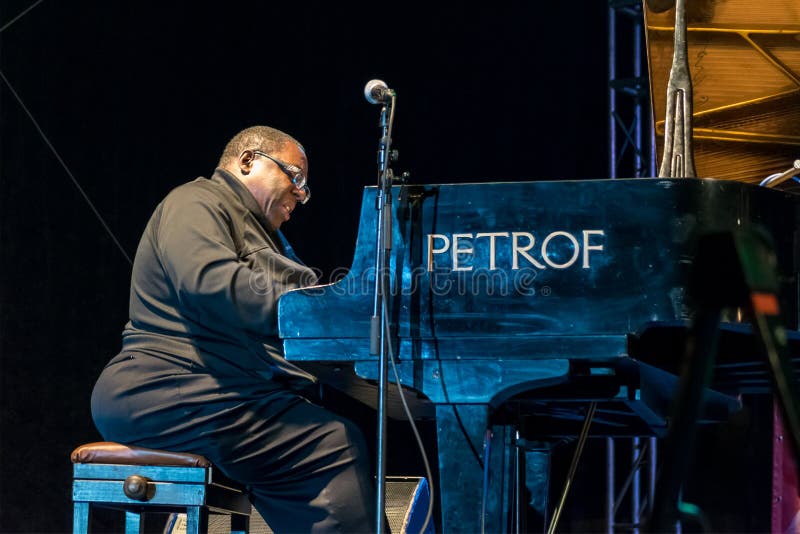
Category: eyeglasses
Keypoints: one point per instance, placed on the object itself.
(294, 172)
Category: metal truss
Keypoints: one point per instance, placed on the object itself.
(631, 155)
(631, 136)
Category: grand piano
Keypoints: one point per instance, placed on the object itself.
(541, 298)
(500, 289)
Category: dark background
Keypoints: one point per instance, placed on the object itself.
(106, 106)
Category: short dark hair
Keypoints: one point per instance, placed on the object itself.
(256, 137)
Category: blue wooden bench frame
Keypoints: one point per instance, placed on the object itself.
(169, 489)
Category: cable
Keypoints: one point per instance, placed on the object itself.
(629, 478)
(22, 14)
(573, 466)
(461, 427)
(410, 418)
(66, 168)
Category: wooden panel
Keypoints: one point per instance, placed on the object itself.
(110, 491)
(153, 472)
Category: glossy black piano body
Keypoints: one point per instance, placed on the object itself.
(546, 289)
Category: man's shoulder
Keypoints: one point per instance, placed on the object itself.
(191, 199)
(199, 190)
(200, 186)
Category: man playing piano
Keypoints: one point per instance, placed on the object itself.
(201, 368)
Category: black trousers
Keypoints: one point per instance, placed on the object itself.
(307, 469)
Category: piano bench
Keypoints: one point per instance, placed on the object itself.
(137, 480)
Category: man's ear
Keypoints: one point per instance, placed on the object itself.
(245, 161)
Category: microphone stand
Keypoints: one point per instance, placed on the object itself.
(379, 324)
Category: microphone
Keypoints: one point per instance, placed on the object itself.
(377, 92)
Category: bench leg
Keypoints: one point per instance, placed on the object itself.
(133, 522)
(80, 518)
(196, 520)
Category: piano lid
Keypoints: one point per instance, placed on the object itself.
(744, 61)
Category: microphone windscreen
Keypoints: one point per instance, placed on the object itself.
(376, 91)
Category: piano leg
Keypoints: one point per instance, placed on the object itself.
(535, 477)
(462, 438)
